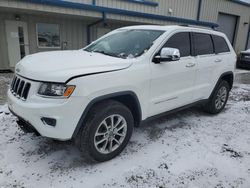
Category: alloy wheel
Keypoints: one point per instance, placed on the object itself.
(110, 134)
(221, 98)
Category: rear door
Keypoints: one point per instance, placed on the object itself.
(207, 62)
(172, 83)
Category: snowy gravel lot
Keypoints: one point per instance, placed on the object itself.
(186, 149)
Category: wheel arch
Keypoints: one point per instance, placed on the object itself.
(128, 98)
(227, 76)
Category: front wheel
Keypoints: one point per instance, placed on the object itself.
(219, 98)
(106, 131)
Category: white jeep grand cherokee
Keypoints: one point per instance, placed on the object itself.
(96, 95)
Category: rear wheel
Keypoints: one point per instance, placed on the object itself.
(106, 131)
(219, 98)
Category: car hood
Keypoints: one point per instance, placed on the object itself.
(60, 66)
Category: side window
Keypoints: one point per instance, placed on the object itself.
(220, 44)
(203, 44)
(180, 41)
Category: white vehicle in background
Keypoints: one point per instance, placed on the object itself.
(97, 95)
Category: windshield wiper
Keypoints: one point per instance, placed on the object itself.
(122, 55)
(86, 50)
(105, 53)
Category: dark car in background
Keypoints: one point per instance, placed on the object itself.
(244, 59)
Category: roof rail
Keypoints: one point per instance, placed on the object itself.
(212, 27)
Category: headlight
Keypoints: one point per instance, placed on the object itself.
(55, 90)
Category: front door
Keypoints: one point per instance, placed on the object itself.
(17, 40)
(173, 82)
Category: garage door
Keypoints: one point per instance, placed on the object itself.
(227, 24)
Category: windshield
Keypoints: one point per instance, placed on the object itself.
(125, 43)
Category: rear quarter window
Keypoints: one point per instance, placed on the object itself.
(203, 44)
(220, 44)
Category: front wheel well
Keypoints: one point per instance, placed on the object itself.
(129, 99)
(132, 104)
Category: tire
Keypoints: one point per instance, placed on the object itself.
(219, 98)
(90, 137)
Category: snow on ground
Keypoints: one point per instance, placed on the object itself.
(4, 81)
(239, 71)
(186, 149)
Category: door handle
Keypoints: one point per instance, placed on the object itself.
(190, 65)
(218, 60)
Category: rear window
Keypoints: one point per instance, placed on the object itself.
(203, 44)
(220, 44)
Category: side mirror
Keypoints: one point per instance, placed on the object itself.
(167, 54)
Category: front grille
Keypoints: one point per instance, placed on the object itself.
(20, 88)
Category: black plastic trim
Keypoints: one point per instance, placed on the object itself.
(49, 121)
(105, 97)
(25, 125)
(219, 80)
(174, 111)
